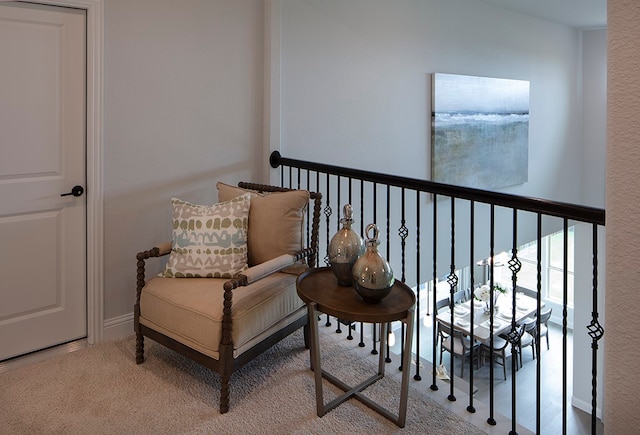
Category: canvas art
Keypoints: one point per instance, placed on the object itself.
(480, 131)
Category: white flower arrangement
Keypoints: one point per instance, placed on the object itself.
(483, 293)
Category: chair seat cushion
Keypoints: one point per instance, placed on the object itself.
(499, 343)
(189, 310)
(526, 340)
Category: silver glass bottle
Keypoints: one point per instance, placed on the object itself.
(345, 248)
(372, 274)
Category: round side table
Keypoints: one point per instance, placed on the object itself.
(320, 290)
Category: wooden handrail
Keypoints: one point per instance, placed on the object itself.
(552, 208)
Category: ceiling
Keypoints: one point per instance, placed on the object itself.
(581, 14)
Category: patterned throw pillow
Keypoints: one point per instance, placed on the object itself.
(209, 241)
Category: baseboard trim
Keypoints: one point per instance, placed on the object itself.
(117, 327)
(585, 406)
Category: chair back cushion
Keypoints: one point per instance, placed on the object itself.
(276, 221)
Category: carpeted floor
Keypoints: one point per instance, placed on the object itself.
(101, 390)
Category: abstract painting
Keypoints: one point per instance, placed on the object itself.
(480, 131)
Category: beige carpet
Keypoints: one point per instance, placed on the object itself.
(101, 390)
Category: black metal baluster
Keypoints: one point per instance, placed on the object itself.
(417, 376)
(403, 232)
(361, 344)
(308, 212)
(388, 228)
(452, 279)
(339, 204)
(327, 213)
(491, 420)
(565, 299)
(318, 189)
(514, 266)
(434, 332)
(472, 219)
(538, 306)
(374, 350)
(596, 331)
(349, 325)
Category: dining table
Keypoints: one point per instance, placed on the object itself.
(525, 307)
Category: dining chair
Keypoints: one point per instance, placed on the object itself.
(467, 294)
(528, 338)
(531, 325)
(459, 297)
(442, 303)
(545, 315)
(457, 344)
(500, 346)
(527, 292)
(502, 350)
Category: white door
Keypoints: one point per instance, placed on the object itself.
(42, 155)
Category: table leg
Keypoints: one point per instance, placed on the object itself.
(314, 350)
(406, 368)
(384, 337)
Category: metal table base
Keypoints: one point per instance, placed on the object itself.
(356, 392)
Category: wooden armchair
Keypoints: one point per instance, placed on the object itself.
(223, 323)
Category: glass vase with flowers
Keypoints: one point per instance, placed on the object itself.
(483, 294)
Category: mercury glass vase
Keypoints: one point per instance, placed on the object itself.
(372, 274)
(345, 248)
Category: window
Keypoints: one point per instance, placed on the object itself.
(552, 266)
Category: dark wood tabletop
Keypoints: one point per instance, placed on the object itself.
(321, 286)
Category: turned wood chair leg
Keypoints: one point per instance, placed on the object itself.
(224, 394)
(139, 348)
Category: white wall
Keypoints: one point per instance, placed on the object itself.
(183, 108)
(355, 83)
(594, 117)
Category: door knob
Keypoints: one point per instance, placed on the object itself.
(76, 191)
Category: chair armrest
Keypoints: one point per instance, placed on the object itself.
(157, 251)
(268, 267)
(259, 271)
